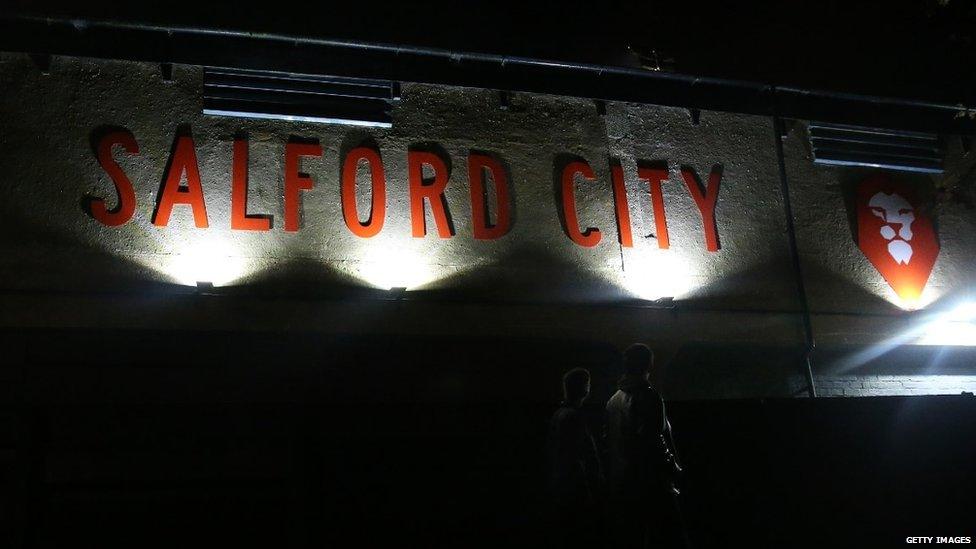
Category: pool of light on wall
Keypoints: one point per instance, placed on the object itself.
(651, 276)
(212, 258)
(222, 260)
(957, 327)
(911, 302)
(395, 265)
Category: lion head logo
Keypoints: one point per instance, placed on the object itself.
(895, 234)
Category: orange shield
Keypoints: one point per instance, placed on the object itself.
(896, 234)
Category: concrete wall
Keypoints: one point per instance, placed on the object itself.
(864, 337)
(732, 328)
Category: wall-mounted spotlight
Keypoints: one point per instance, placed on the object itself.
(204, 288)
(398, 293)
(957, 327)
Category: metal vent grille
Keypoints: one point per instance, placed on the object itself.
(298, 97)
(841, 145)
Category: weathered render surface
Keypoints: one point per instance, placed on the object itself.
(731, 328)
(858, 320)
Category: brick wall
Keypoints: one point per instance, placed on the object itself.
(883, 385)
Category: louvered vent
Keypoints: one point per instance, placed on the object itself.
(840, 145)
(285, 96)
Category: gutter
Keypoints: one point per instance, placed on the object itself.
(404, 63)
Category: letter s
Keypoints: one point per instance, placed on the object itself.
(127, 196)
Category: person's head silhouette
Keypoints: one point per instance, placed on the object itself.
(638, 361)
(576, 386)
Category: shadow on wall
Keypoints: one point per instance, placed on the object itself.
(767, 286)
(528, 273)
(734, 370)
(829, 291)
(135, 365)
(81, 265)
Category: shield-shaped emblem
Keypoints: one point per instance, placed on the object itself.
(896, 234)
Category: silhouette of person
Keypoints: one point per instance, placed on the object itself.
(641, 460)
(575, 473)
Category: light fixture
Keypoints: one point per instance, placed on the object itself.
(398, 293)
(298, 97)
(956, 327)
(655, 276)
(204, 261)
(843, 145)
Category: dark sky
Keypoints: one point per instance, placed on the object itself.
(915, 49)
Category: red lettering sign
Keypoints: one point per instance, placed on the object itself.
(296, 182)
(127, 196)
(432, 192)
(350, 213)
(478, 164)
(591, 236)
(481, 168)
(705, 201)
(655, 176)
(622, 208)
(183, 161)
(239, 220)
